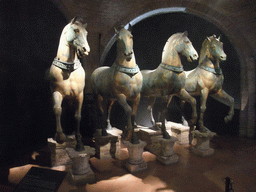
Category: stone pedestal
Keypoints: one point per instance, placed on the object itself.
(105, 145)
(151, 137)
(59, 154)
(166, 155)
(202, 146)
(80, 172)
(135, 161)
(179, 131)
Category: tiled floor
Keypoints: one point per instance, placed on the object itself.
(233, 157)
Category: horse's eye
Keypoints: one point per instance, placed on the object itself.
(213, 47)
(187, 42)
(76, 30)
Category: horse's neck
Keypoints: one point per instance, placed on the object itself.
(66, 52)
(121, 60)
(211, 62)
(171, 57)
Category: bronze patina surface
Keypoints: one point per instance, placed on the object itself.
(67, 76)
(168, 79)
(207, 78)
(122, 82)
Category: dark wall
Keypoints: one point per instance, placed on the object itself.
(30, 32)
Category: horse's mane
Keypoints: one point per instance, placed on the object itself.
(171, 40)
(204, 52)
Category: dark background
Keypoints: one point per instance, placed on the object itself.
(29, 39)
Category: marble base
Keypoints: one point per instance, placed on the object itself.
(202, 146)
(166, 155)
(135, 161)
(58, 151)
(179, 131)
(168, 160)
(151, 137)
(89, 177)
(80, 172)
(105, 146)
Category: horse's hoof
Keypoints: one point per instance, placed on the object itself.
(60, 138)
(104, 132)
(166, 135)
(79, 147)
(109, 127)
(126, 135)
(227, 119)
(203, 130)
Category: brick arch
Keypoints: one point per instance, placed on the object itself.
(241, 45)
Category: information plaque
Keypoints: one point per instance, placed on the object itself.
(41, 180)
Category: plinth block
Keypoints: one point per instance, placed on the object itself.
(105, 145)
(81, 172)
(202, 146)
(135, 161)
(179, 131)
(151, 137)
(58, 151)
(166, 155)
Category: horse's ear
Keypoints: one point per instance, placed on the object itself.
(185, 34)
(74, 20)
(219, 38)
(208, 39)
(116, 31)
(85, 25)
(130, 28)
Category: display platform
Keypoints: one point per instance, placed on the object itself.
(152, 136)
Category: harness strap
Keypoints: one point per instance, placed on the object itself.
(128, 70)
(216, 71)
(172, 68)
(67, 66)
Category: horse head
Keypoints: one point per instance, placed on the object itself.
(215, 48)
(77, 37)
(185, 47)
(125, 42)
(212, 48)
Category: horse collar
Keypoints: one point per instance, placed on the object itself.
(66, 66)
(131, 71)
(172, 68)
(216, 71)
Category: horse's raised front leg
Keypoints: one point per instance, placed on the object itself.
(152, 101)
(230, 100)
(135, 104)
(110, 104)
(60, 137)
(78, 107)
(204, 96)
(164, 108)
(121, 98)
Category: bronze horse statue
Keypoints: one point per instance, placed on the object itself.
(168, 79)
(67, 76)
(207, 78)
(122, 82)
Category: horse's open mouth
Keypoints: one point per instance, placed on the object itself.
(189, 59)
(81, 53)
